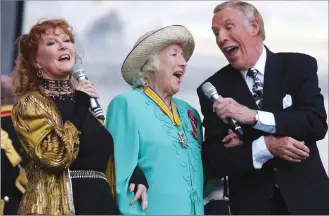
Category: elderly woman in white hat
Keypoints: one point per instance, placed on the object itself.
(156, 131)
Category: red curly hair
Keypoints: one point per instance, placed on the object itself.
(25, 77)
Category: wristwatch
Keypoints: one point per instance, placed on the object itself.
(256, 118)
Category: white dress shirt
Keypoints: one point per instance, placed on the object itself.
(266, 121)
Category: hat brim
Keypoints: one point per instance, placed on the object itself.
(154, 43)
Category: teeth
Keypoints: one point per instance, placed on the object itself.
(229, 48)
(64, 56)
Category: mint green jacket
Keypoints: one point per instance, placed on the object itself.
(145, 137)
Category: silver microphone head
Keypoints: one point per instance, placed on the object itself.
(209, 90)
(78, 72)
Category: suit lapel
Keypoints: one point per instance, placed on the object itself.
(273, 88)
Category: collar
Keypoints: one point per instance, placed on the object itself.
(260, 64)
(173, 115)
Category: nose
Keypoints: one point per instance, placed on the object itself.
(182, 62)
(62, 46)
(221, 38)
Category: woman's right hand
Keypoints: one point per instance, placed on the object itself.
(140, 194)
(87, 87)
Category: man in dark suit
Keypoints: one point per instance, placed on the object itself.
(276, 98)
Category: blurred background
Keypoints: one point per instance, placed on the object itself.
(107, 30)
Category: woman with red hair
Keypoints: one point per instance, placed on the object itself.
(69, 151)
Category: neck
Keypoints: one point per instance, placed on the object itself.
(59, 78)
(165, 96)
(258, 52)
(56, 87)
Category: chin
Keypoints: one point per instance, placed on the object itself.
(238, 66)
(67, 72)
(175, 90)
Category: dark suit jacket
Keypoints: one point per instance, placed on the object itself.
(304, 185)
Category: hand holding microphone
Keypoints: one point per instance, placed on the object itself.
(86, 86)
(229, 110)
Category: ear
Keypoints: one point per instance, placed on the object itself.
(255, 26)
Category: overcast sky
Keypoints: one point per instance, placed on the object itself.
(291, 26)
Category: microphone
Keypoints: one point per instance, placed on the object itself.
(79, 74)
(210, 91)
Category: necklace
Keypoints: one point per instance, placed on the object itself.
(172, 114)
(57, 89)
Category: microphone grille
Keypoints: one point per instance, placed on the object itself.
(78, 71)
(208, 89)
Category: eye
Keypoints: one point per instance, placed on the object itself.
(50, 43)
(228, 27)
(67, 40)
(174, 54)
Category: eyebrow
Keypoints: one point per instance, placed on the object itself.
(227, 20)
(52, 37)
(175, 49)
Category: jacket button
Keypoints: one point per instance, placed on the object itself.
(6, 199)
(275, 169)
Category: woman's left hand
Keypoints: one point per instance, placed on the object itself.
(141, 194)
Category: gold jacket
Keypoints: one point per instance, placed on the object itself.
(51, 145)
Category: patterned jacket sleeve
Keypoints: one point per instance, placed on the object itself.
(48, 142)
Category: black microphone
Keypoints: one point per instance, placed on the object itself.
(210, 91)
(79, 74)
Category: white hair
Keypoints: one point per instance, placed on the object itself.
(151, 64)
(249, 10)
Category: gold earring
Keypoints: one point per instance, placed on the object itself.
(39, 72)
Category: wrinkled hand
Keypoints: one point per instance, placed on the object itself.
(287, 148)
(87, 87)
(232, 139)
(141, 194)
(228, 107)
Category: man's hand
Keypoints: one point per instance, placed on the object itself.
(228, 107)
(287, 148)
(232, 139)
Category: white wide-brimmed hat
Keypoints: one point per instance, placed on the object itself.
(153, 42)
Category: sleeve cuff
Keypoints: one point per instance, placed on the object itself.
(260, 153)
(138, 177)
(266, 122)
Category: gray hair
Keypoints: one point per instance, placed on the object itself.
(151, 64)
(248, 9)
